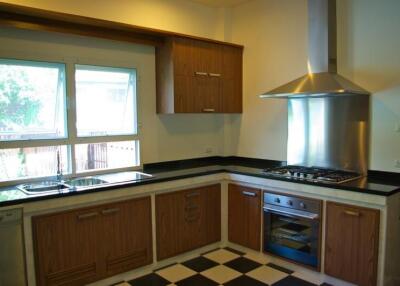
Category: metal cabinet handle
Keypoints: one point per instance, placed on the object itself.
(208, 110)
(201, 73)
(191, 195)
(249, 194)
(87, 215)
(191, 208)
(110, 211)
(192, 218)
(351, 213)
(214, 74)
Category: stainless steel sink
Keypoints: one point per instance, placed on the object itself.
(85, 182)
(43, 187)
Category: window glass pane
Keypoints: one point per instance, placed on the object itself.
(18, 163)
(105, 101)
(107, 155)
(32, 100)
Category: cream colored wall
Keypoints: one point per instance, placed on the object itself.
(172, 15)
(274, 34)
(164, 137)
(368, 54)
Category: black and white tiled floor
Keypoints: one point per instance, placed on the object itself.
(220, 267)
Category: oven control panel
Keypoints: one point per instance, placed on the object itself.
(292, 202)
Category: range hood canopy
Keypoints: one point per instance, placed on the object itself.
(322, 79)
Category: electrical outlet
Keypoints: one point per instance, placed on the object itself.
(397, 164)
(209, 150)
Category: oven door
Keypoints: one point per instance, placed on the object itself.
(292, 234)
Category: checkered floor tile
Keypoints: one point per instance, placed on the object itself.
(222, 266)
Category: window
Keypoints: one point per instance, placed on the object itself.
(32, 100)
(105, 101)
(34, 125)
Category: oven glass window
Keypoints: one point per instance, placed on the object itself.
(292, 237)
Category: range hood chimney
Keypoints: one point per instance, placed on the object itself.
(322, 79)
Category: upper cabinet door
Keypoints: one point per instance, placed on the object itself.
(196, 76)
(352, 238)
(231, 86)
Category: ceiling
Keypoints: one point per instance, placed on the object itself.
(220, 3)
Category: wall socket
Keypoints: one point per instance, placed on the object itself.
(209, 150)
(397, 163)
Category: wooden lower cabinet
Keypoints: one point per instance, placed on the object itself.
(80, 246)
(187, 219)
(351, 243)
(244, 216)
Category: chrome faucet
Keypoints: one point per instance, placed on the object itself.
(59, 169)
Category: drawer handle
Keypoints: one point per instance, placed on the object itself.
(214, 74)
(249, 194)
(192, 218)
(191, 208)
(201, 73)
(110, 211)
(191, 195)
(208, 110)
(351, 213)
(87, 215)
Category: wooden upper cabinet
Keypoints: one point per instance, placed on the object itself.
(187, 219)
(195, 76)
(77, 247)
(244, 216)
(352, 239)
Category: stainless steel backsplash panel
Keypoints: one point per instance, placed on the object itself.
(330, 132)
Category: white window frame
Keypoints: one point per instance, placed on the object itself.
(72, 139)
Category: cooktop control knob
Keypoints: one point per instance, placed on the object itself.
(277, 200)
(303, 205)
(290, 203)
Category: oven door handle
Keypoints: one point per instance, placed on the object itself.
(294, 213)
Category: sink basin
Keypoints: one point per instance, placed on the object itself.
(43, 187)
(85, 182)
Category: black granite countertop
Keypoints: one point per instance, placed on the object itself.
(377, 183)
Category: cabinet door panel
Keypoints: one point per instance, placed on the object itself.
(244, 216)
(66, 247)
(231, 90)
(187, 220)
(352, 235)
(211, 224)
(169, 224)
(126, 229)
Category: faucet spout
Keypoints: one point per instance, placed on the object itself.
(59, 169)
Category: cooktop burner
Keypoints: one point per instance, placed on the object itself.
(313, 174)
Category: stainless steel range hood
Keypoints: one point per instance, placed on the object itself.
(322, 79)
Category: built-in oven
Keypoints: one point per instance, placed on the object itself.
(292, 228)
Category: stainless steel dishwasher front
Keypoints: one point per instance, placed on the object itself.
(12, 254)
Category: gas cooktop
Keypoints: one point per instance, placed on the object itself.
(313, 174)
